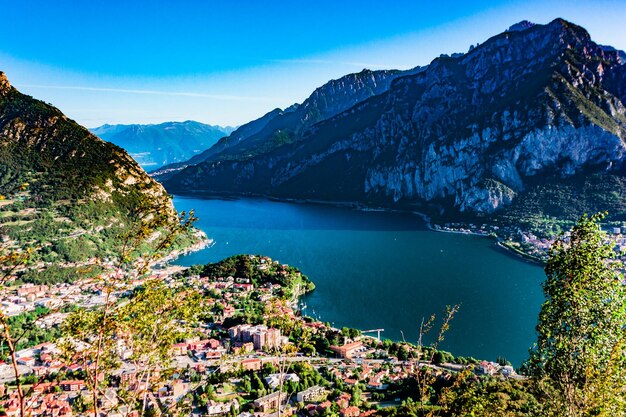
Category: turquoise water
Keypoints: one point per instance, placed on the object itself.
(385, 270)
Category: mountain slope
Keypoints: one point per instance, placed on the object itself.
(281, 127)
(467, 135)
(63, 189)
(236, 136)
(153, 146)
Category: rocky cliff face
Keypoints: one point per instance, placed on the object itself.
(469, 132)
(4, 83)
(338, 95)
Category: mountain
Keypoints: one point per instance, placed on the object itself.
(153, 146)
(237, 135)
(62, 189)
(534, 112)
(281, 127)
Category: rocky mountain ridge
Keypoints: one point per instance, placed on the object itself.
(466, 134)
(281, 127)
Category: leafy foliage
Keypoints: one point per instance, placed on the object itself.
(580, 356)
(246, 266)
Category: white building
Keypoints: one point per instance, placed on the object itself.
(273, 380)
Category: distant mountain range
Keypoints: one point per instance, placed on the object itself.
(153, 146)
(532, 119)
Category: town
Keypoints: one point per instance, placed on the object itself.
(254, 354)
(526, 243)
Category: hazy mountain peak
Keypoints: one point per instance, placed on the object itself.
(155, 145)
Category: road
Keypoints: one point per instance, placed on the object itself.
(182, 362)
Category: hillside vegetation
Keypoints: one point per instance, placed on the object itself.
(63, 191)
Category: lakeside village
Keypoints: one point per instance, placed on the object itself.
(236, 363)
(526, 243)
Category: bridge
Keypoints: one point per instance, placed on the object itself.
(377, 331)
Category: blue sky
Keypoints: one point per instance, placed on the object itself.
(227, 62)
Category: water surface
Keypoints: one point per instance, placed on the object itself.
(385, 270)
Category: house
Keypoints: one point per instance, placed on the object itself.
(228, 311)
(376, 382)
(488, 368)
(315, 393)
(324, 406)
(26, 360)
(40, 370)
(217, 408)
(26, 289)
(57, 408)
(273, 380)
(175, 389)
(74, 367)
(213, 344)
(128, 377)
(179, 349)
(244, 287)
(350, 412)
(45, 357)
(344, 400)
(243, 348)
(349, 350)
(44, 387)
(269, 402)
(253, 364)
(197, 345)
(311, 409)
(508, 371)
(213, 354)
(72, 385)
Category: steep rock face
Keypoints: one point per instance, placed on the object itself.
(338, 95)
(63, 161)
(281, 127)
(467, 132)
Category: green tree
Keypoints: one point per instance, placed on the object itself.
(148, 324)
(246, 386)
(355, 398)
(11, 261)
(579, 356)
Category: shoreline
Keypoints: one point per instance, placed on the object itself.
(527, 257)
(359, 207)
(203, 243)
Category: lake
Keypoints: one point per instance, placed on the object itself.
(385, 270)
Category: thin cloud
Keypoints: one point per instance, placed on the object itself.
(153, 92)
(329, 62)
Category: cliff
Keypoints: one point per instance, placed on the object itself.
(467, 134)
